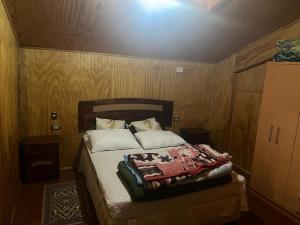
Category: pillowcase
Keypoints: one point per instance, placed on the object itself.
(87, 142)
(103, 124)
(158, 139)
(114, 139)
(144, 125)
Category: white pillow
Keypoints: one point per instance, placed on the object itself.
(158, 139)
(115, 139)
(144, 125)
(102, 124)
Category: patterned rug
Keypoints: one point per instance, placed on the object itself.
(62, 205)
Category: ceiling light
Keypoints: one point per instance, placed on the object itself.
(159, 4)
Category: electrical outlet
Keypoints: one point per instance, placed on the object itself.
(54, 115)
(176, 118)
(179, 69)
(55, 127)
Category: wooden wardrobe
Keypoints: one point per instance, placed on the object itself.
(276, 164)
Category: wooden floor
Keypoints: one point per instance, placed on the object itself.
(29, 207)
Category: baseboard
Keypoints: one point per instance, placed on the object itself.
(277, 208)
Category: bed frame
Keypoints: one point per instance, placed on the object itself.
(128, 109)
(132, 109)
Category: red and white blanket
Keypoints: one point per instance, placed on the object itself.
(176, 164)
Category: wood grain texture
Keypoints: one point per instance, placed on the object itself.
(221, 98)
(245, 116)
(57, 81)
(190, 31)
(213, 3)
(248, 93)
(280, 109)
(265, 48)
(127, 109)
(9, 130)
(291, 201)
(204, 94)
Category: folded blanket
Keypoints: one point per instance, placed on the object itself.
(155, 170)
(288, 50)
(138, 193)
(220, 171)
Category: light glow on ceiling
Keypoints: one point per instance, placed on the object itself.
(159, 4)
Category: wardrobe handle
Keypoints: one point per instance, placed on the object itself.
(271, 133)
(277, 135)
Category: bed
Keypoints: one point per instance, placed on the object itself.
(113, 204)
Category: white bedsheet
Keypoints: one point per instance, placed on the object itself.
(226, 199)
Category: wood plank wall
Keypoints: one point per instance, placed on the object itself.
(248, 97)
(58, 80)
(9, 170)
(249, 80)
(219, 118)
(265, 48)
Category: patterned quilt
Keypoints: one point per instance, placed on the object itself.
(174, 165)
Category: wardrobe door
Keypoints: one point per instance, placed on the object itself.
(286, 79)
(292, 198)
(280, 159)
(264, 138)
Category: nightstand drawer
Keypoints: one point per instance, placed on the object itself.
(52, 157)
(40, 150)
(39, 158)
(41, 169)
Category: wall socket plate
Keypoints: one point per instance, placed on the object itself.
(54, 115)
(55, 127)
(176, 118)
(179, 69)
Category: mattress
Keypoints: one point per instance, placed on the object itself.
(114, 205)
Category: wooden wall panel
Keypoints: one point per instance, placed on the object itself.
(265, 48)
(245, 115)
(58, 80)
(203, 94)
(248, 88)
(221, 98)
(127, 28)
(9, 169)
(212, 3)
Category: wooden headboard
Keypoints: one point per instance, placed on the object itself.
(128, 109)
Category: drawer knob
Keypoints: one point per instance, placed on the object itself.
(41, 163)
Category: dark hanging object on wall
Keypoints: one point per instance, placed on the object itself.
(289, 50)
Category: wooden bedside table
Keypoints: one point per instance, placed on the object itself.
(39, 158)
(195, 135)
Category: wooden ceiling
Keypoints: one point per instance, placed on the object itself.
(190, 31)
